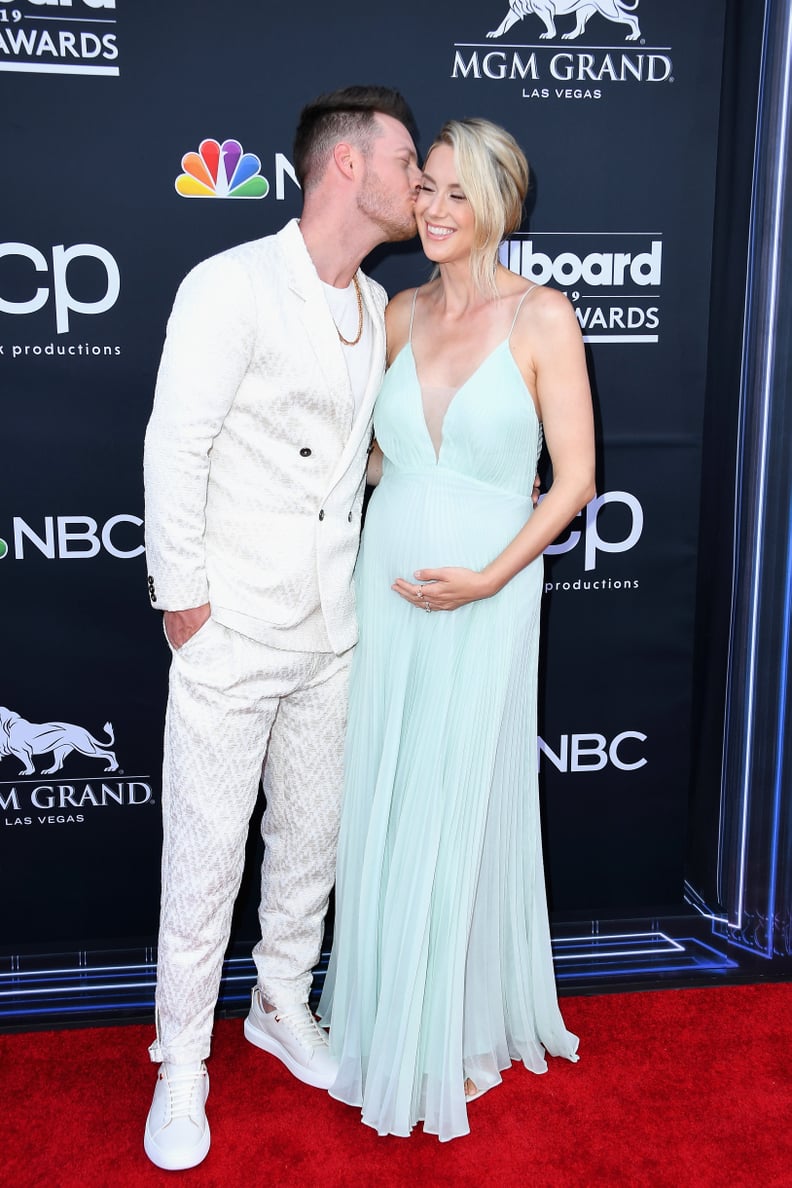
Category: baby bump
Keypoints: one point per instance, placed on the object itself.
(426, 520)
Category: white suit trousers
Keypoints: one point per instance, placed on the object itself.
(235, 706)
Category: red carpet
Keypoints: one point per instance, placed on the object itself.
(674, 1088)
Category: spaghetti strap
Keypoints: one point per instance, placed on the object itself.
(412, 315)
(516, 312)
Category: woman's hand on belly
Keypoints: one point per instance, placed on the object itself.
(444, 589)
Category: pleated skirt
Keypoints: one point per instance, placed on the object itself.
(441, 967)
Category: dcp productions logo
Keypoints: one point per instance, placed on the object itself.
(225, 170)
(59, 37)
(546, 67)
(613, 279)
(28, 800)
(58, 283)
(610, 523)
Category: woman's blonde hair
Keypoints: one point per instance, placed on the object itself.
(493, 172)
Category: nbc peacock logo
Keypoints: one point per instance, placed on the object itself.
(221, 171)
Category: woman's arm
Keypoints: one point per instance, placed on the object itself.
(549, 349)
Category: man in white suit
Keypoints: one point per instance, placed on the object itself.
(255, 470)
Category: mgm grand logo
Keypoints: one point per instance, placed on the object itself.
(28, 799)
(24, 740)
(538, 61)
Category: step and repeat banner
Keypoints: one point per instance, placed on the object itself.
(141, 138)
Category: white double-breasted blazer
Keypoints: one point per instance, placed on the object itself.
(254, 457)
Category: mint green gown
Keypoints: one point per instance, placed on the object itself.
(441, 966)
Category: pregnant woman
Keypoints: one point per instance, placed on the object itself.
(441, 972)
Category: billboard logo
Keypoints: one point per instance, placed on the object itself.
(34, 296)
(74, 42)
(221, 171)
(24, 740)
(548, 10)
(613, 279)
(595, 268)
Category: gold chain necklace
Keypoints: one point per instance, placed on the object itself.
(354, 341)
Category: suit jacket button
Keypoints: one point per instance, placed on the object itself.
(321, 514)
(305, 452)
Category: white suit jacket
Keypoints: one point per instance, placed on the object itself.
(254, 460)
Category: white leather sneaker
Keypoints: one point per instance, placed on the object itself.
(295, 1038)
(177, 1132)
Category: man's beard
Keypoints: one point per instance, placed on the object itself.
(396, 221)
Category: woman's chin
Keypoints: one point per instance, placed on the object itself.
(433, 250)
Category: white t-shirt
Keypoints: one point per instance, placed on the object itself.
(344, 309)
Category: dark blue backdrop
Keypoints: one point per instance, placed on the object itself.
(103, 101)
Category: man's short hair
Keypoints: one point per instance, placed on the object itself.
(347, 114)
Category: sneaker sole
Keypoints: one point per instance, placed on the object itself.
(267, 1044)
(160, 1159)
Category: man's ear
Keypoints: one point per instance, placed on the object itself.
(345, 159)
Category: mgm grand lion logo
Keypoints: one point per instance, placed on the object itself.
(548, 10)
(25, 739)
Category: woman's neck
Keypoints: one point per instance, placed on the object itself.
(458, 292)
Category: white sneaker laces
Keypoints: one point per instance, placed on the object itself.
(303, 1027)
(181, 1086)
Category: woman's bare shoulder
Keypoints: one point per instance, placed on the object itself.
(397, 321)
(545, 312)
(399, 306)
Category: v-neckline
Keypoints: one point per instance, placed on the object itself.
(452, 401)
